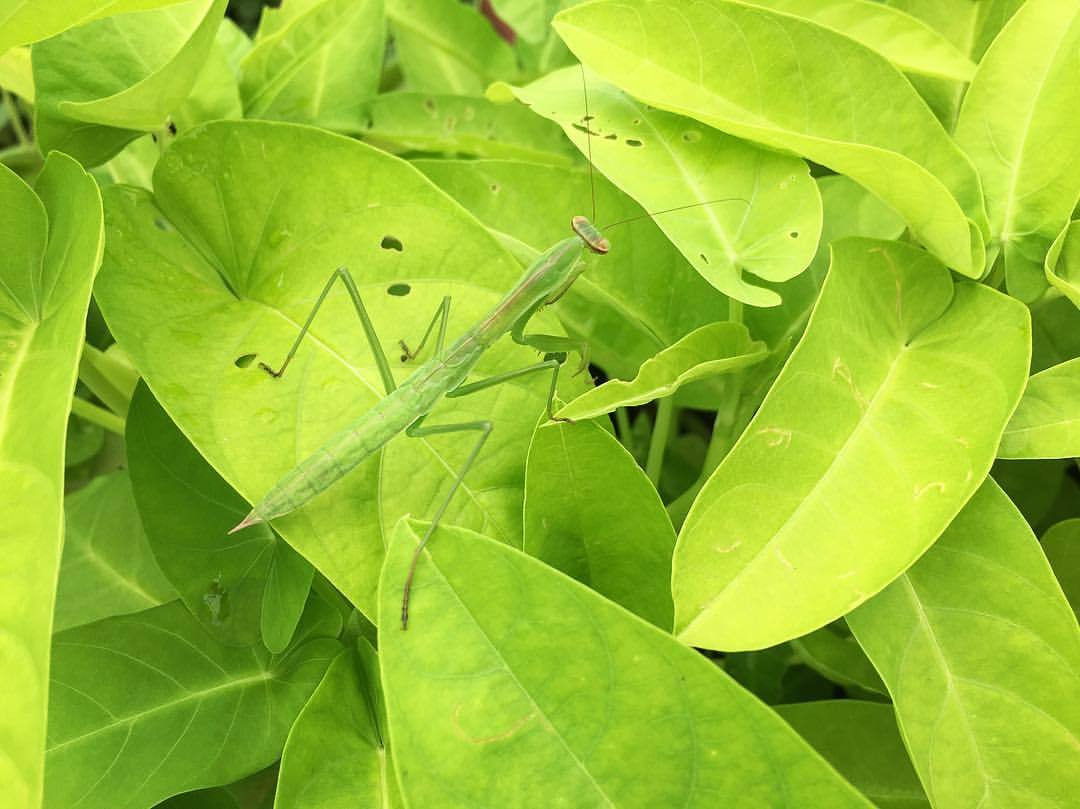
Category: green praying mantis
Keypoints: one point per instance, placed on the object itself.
(406, 406)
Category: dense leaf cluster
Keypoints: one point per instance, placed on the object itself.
(808, 537)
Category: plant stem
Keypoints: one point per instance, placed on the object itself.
(16, 118)
(97, 415)
(665, 410)
(622, 428)
(735, 310)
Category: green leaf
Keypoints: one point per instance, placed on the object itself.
(26, 21)
(107, 568)
(101, 84)
(1046, 424)
(848, 210)
(771, 78)
(817, 508)
(579, 713)
(424, 122)
(717, 348)
(16, 73)
(530, 19)
(319, 65)
(287, 584)
(1062, 266)
(906, 41)
(838, 658)
(971, 26)
(237, 273)
(52, 237)
(1061, 544)
(630, 304)
(446, 47)
(146, 706)
(1017, 125)
(862, 741)
(215, 94)
(764, 211)
(981, 655)
(225, 583)
(254, 792)
(336, 754)
(591, 512)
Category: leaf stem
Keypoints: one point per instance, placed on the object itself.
(97, 415)
(735, 310)
(654, 463)
(16, 118)
(622, 428)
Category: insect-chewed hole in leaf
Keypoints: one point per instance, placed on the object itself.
(634, 142)
(636, 122)
(244, 360)
(704, 257)
(585, 130)
(691, 136)
(429, 105)
(494, 188)
(391, 243)
(612, 136)
(793, 235)
(162, 224)
(369, 122)
(398, 290)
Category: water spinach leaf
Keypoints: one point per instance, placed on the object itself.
(815, 509)
(52, 236)
(969, 666)
(757, 81)
(579, 714)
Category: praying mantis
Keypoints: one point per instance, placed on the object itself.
(406, 406)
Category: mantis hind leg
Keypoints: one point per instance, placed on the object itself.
(369, 329)
(417, 430)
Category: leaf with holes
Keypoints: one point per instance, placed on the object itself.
(771, 78)
(817, 508)
(580, 713)
(740, 209)
(981, 655)
(426, 122)
(238, 273)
